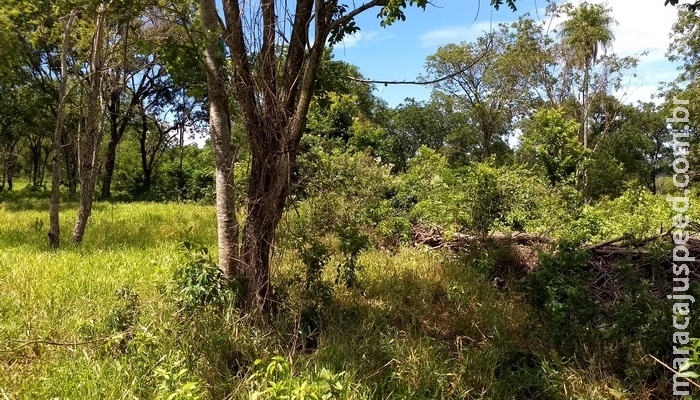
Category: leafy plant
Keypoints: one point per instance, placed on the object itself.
(274, 380)
(690, 368)
(198, 280)
(352, 242)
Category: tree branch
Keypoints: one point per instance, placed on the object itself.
(352, 14)
(430, 82)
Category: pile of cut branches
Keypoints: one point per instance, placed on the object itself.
(652, 258)
(434, 237)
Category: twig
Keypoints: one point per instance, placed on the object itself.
(430, 82)
(675, 372)
(605, 243)
(26, 343)
(393, 360)
(623, 237)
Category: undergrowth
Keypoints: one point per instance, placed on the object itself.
(140, 311)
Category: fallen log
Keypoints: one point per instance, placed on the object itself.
(434, 238)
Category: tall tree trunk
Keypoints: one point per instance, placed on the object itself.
(8, 164)
(114, 138)
(224, 149)
(180, 172)
(44, 163)
(144, 151)
(88, 144)
(54, 203)
(35, 153)
(586, 101)
(71, 164)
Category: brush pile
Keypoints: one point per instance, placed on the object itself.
(651, 257)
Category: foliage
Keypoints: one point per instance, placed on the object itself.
(452, 333)
(586, 31)
(563, 291)
(352, 242)
(198, 280)
(274, 380)
(690, 367)
(550, 141)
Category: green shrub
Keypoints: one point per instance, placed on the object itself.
(274, 380)
(198, 281)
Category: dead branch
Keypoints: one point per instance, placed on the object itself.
(692, 382)
(25, 343)
(430, 82)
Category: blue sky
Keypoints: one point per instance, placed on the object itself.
(398, 52)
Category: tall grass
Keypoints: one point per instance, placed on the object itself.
(97, 321)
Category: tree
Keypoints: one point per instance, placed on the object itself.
(475, 87)
(414, 124)
(629, 143)
(89, 141)
(690, 6)
(273, 86)
(54, 228)
(684, 45)
(550, 141)
(137, 73)
(586, 31)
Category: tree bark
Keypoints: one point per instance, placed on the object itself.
(117, 128)
(269, 186)
(71, 163)
(88, 144)
(54, 203)
(585, 100)
(114, 138)
(144, 151)
(35, 153)
(54, 206)
(273, 110)
(222, 143)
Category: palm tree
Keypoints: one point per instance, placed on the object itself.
(587, 31)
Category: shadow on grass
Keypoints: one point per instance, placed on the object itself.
(448, 334)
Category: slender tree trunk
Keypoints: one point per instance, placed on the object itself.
(110, 161)
(180, 172)
(35, 152)
(54, 204)
(224, 150)
(7, 166)
(114, 138)
(11, 163)
(70, 163)
(144, 151)
(585, 101)
(88, 144)
(44, 163)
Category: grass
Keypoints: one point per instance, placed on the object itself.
(420, 324)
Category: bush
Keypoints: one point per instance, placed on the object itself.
(198, 281)
(274, 380)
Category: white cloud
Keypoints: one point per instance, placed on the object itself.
(456, 34)
(643, 31)
(358, 39)
(641, 27)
